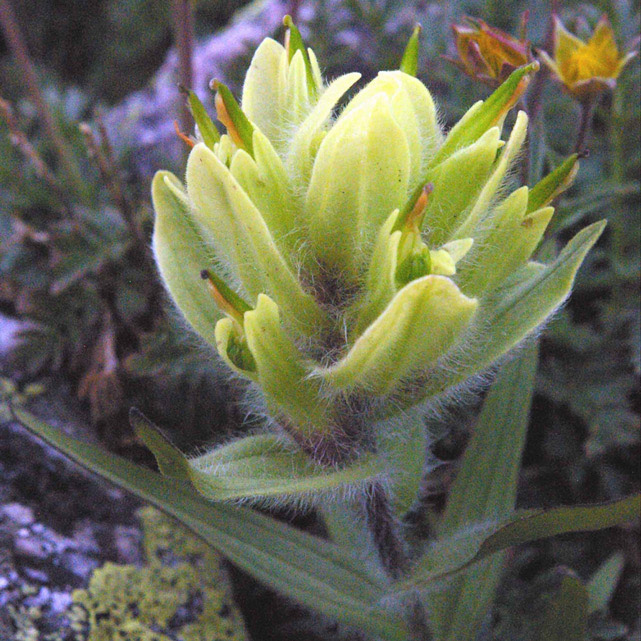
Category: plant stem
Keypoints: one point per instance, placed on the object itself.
(385, 534)
(184, 34)
(18, 48)
(618, 232)
(583, 132)
(110, 176)
(384, 530)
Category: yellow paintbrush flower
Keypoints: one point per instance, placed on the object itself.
(359, 259)
(586, 68)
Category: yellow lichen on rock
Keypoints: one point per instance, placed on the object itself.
(182, 593)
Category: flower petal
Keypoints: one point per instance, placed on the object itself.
(282, 372)
(413, 109)
(565, 43)
(506, 243)
(479, 212)
(456, 182)
(264, 89)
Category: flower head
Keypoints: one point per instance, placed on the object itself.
(487, 53)
(356, 262)
(586, 68)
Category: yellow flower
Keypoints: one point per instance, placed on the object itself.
(488, 54)
(586, 68)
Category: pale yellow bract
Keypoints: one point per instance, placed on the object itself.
(365, 260)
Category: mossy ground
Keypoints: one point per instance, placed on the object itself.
(180, 594)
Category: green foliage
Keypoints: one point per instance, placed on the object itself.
(318, 573)
(252, 467)
(485, 488)
(307, 568)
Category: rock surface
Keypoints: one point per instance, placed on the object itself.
(81, 561)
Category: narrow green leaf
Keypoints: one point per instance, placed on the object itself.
(230, 222)
(346, 528)
(206, 127)
(532, 525)
(253, 467)
(485, 488)
(409, 62)
(233, 117)
(566, 618)
(477, 542)
(555, 183)
(482, 116)
(604, 582)
(296, 44)
(315, 572)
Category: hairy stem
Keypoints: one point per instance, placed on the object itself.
(387, 539)
(16, 43)
(385, 532)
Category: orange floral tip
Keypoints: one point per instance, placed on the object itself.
(184, 137)
(585, 69)
(489, 54)
(410, 216)
(225, 298)
(415, 218)
(519, 90)
(228, 111)
(223, 115)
